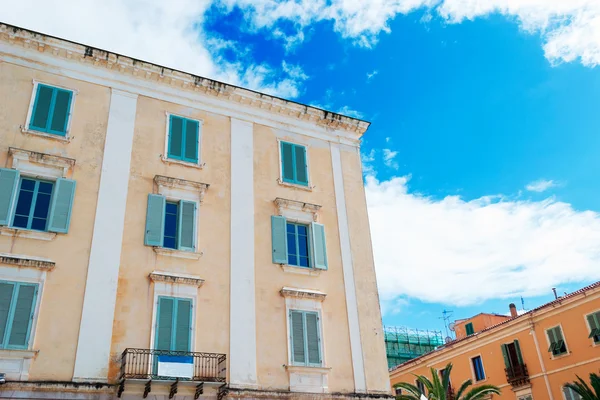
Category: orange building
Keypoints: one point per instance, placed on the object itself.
(530, 356)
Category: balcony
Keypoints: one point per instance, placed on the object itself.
(172, 367)
(517, 375)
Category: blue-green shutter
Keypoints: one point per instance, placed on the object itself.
(297, 337)
(61, 206)
(279, 239)
(313, 347)
(40, 116)
(175, 137)
(505, 355)
(469, 328)
(287, 162)
(155, 220)
(6, 294)
(319, 248)
(60, 111)
(183, 325)
(518, 351)
(190, 150)
(9, 179)
(301, 166)
(164, 323)
(186, 235)
(22, 316)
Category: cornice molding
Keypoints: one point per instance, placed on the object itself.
(170, 277)
(27, 261)
(303, 293)
(165, 182)
(35, 162)
(286, 205)
(157, 74)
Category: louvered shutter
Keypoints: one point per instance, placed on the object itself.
(155, 220)
(62, 205)
(505, 355)
(183, 325)
(6, 294)
(22, 317)
(301, 166)
(186, 236)
(164, 323)
(319, 246)
(191, 141)
(279, 239)
(594, 322)
(287, 162)
(176, 137)
(9, 180)
(41, 108)
(297, 329)
(552, 339)
(60, 113)
(312, 339)
(518, 351)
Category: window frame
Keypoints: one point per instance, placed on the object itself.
(33, 315)
(474, 371)
(572, 394)
(562, 332)
(281, 180)
(305, 333)
(167, 158)
(589, 330)
(308, 240)
(420, 386)
(13, 211)
(27, 128)
(179, 291)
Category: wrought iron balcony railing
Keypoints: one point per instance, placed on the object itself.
(517, 375)
(173, 365)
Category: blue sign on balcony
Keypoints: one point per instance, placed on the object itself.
(176, 366)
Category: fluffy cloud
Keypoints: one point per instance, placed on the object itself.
(464, 252)
(540, 185)
(389, 158)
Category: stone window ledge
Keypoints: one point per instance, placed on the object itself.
(305, 368)
(188, 255)
(303, 293)
(58, 138)
(26, 233)
(300, 270)
(27, 261)
(24, 354)
(172, 277)
(167, 160)
(308, 188)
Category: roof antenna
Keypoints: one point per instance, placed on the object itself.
(555, 295)
(446, 315)
(523, 303)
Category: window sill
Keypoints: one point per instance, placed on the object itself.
(553, 357)
(22, 354)
(308, 188)
(189, 255)
(64, 139)
(300, 270)
(184, 163)
(27, 233)
(305, 368)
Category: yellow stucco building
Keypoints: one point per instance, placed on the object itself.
(166, 235)
(529, 356)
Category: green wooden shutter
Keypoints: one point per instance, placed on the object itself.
(518, 351)
(287, 162)
(279, 239)
(319, 247)
(552, 338)
(155, 220)
(183, 325)
(9, 180)
(594, 322)
(164, 323)
(469, 328)
(41, 108)
(186, 235)
(297, 339)
(6, 294)
(312, 339)
(61, 206)
(301, 167)
(22, 316)
(60, 114)
(175, 137)
(505, 355)
(191, 141)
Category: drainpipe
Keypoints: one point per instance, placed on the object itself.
(539, 353)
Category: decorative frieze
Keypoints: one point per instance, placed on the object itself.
(40, 164)
(296, 209)
(27, 261)
(303, 293)
(180, 188)
(174, 278)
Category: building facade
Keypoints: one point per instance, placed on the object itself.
(403, 344)
(163, 234)
(530, 356)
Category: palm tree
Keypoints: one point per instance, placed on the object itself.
(440, 389)
(582, 388)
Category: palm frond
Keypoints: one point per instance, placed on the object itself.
(479, 392)
(463, 388)
(412, 389)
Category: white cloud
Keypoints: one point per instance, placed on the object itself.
(166, 33)
(464, 252)
(389, 158)
(345, 110)
(540, 185)
(367, 162)
(371, 75)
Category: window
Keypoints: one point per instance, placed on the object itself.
(594, 323)
(570, 394)
(17, 304)
(183, 140)
(27, 203)
(420, 386)
(398, 391)
(469, 328)
(298, 245)
(294, 168)
(305, 340)
(173, 324)
(478, 368)
(557, 342)
(51, 110)
(171, 224)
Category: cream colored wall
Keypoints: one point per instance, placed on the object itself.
(57, 327)
(272, 339)
(135, 295)
(371, 326)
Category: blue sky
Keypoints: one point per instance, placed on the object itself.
(481, 163)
